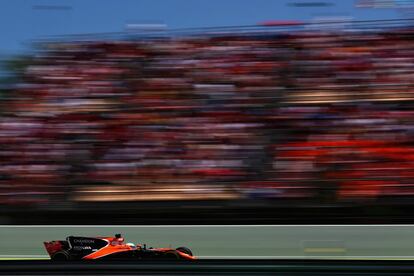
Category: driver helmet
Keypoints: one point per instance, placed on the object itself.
(130, 244)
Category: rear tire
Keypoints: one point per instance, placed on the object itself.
(185, 250)
(61, 256)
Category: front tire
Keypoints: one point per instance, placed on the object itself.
(185, 250)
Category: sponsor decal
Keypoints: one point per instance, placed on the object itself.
(82, 248)
(83, 241)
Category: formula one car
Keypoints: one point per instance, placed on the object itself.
(110, 248)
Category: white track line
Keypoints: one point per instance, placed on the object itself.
(207, 226)
(23, 256)
(306, 257)
(42, 257)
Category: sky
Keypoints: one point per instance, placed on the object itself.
(22, 21)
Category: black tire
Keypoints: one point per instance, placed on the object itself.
(185, 250)
(61, 256)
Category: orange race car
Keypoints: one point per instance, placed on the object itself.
(110, 248)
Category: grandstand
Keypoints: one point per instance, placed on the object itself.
(278, 115)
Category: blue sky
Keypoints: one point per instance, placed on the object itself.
(21, 21)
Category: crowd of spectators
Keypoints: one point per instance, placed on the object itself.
(313, 115)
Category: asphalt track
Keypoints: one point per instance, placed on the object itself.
(209, 267)
(351, 242)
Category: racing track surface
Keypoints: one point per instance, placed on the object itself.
(210, 267)
(355, 242)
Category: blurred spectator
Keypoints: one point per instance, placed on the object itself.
(318, 115)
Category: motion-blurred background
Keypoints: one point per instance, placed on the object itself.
(307, 117)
